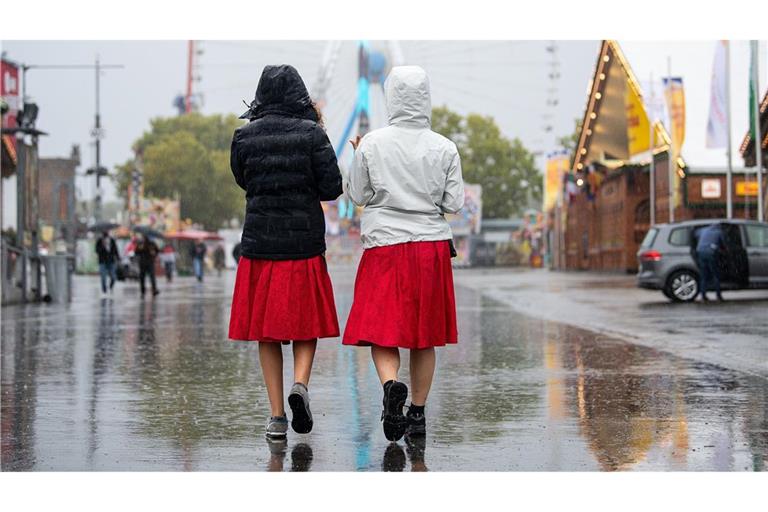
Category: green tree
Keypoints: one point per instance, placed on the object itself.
(189, 155)
(505, 168)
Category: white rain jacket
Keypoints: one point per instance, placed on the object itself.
(405, 175)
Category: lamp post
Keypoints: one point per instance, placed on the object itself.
(97, 133)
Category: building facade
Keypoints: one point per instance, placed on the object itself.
(58, 223)
(625, 175)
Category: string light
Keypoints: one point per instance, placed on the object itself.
(598, 95)
(593, 115)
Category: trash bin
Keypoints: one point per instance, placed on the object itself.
(58, 278)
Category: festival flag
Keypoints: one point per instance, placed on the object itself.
(638, 125)
(675, 97)
(717, 125)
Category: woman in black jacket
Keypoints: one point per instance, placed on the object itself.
(285, 163)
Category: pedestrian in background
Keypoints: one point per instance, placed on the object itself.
(146, 251)
(106, 249)
(168, 259)
(197, 253)
(284, 161)
(711, 242)
(407, 178)
(219, 257)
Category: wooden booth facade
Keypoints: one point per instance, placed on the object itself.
(605, 211)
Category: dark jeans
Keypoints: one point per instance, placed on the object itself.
(143, 272)
(708, 272)
(197, 265)
(107, 270)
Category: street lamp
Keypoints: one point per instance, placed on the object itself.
(97, 132)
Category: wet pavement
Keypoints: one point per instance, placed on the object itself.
(732, 334)
(128, 384)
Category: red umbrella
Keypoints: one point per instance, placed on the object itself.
(194, 234)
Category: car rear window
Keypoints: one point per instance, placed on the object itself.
(649, 238)
(680, 237)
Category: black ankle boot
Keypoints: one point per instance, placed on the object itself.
(395, 394)
(416, 422)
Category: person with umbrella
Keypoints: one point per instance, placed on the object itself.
(146, 252)
(106, 249)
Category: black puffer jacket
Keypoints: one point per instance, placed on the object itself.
(286, 164)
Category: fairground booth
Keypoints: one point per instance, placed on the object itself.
(604, 203)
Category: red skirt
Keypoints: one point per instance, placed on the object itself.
(404, 297)
(283, 300)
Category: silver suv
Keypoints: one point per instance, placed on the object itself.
(666, 259)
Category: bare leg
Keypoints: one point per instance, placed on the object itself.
(303, 356)
(387, 361)
(271, 359)
(422, 371)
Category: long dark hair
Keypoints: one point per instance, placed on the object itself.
(319, 114)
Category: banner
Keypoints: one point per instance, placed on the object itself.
(675, 97)
(638, 126)
(9, 91)
(717, 125)
(557, 163)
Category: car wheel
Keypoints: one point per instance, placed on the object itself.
(682, 286)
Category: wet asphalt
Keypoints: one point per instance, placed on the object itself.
(122, 383)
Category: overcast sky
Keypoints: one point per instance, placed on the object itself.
(505, 79)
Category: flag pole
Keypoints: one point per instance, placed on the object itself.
(729, 175)
(758, 136)
(652, 167)
(670, 159)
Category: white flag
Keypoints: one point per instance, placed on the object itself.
(717, 126)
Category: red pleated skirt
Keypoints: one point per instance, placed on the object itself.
(404, 297)
(283, 300)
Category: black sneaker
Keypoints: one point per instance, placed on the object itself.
(395, 394)
(416, 424)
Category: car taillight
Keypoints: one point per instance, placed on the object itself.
(650, 256)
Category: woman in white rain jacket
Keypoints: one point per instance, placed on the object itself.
(407, 178)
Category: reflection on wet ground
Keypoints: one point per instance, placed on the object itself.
(126, 384)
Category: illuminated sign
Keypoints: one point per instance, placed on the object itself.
(710, 189)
